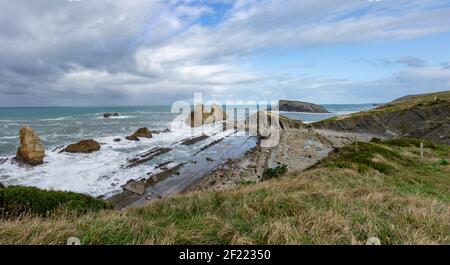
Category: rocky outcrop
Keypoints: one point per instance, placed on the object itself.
(167, 130)
(299, 106)
(110, 114)
(85, 146)
(140, 133)
(200, 116)
(137, 187)
(266, 118)
(31, 150)
(423, 116)
(217, 113)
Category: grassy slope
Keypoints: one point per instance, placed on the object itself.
(17, 200)
(414, 102)
(342, 200)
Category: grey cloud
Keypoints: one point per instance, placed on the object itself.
(411, 61)
(445, 65)
(109, 52)
(407, 61)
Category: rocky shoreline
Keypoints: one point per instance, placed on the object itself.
(238, 157)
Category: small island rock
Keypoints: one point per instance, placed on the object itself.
(140, 133)
(110, 114)
(299, 106)
(31, 150)
(85, 146)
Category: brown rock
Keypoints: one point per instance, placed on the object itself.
(218, 113)
(31, 150)
(85, 146)
(142, 132)
(199, 116)
(299, 106)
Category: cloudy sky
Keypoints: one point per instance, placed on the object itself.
(146, 52)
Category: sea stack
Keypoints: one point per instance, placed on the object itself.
(199, 116)
(31, 150)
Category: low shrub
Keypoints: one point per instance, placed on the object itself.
(247, 182)
(375, 140)
(361, 158)
(18, 200)
(275, 172)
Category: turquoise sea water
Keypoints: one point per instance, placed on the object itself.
(61, 125)
(100, 173)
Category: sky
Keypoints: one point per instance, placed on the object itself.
(151, 52)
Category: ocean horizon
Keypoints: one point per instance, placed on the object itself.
(100, 173)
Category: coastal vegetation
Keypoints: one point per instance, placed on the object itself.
(378, 189)
(430, 113)
(275, 172)
(16, 201)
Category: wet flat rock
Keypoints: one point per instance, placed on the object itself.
(137, 187)
(193, 140)
(213, 143)
(157, 151)
(190, 173)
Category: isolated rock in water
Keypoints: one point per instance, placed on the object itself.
(85, 146)
(110, 114)
(299, 106)
(31, 150)
(166, 131)
(218, 113)
(117, 140)
(199, 116)
(141, 132)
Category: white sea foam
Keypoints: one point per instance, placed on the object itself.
(100, 173)
(9, 137)
(115, 117)
(57, 119)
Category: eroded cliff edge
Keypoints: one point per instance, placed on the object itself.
(424, 116)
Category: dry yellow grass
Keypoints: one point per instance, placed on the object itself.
(324, 205)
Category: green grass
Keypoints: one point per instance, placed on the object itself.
(361, 157)
(18, 200)
(395, 197)
(419, 102)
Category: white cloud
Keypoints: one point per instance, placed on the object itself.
(138, 48)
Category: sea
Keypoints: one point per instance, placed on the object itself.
(102, 173)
